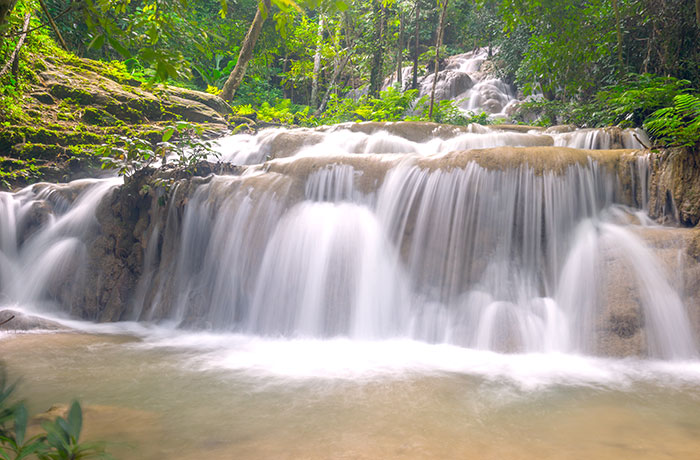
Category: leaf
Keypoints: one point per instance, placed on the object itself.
(168, 133)
(97, 42)
(20, 423)
(75, 420)
(118, 47)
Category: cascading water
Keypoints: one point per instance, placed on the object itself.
(505, 249)
(464, 80)
(43, 229)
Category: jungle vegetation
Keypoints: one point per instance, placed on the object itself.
(590, 62)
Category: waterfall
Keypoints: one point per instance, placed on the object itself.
(43, 231)
(498, 239)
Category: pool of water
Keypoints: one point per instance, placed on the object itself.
(158, 393)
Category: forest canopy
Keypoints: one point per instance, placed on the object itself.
(296, 61)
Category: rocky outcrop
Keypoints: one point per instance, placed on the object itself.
(78, 104)
(674, 192)
(127, 219)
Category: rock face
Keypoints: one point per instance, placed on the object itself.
(674, 193)
(128, 217)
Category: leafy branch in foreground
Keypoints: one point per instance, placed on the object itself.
(59, 441)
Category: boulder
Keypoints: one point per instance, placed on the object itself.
(12, 320)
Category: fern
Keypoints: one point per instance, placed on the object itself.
(677, 125)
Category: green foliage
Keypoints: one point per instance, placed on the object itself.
(631, 101)
(626, 104)
(448, 112)
(61, 437)
(391, 105)
(677, 125)
(181, 142)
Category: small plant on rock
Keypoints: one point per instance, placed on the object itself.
(180, 144)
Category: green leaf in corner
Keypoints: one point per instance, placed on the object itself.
(75, 420)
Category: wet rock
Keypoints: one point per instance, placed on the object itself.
(674, 192)
(11, 320)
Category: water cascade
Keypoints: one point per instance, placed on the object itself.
(367, 233)
(491, 239)
(465, 80)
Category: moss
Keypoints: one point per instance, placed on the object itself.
(95, 116)
(80, 96)
(27, 134)
(149, 107)
(124, 112)
(30, 150)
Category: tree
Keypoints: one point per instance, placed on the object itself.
(234, 80)
(317, 63)
(414, 83)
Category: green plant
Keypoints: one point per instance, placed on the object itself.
(677, 125)
(61, 437)
(181, 143)
(631, 101)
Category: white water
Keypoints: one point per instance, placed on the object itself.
(43, 231)
(332, 242)
(408, 139)
(463, 80)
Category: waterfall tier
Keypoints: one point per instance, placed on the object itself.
(363, 232)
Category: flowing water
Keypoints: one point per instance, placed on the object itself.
(374, 291)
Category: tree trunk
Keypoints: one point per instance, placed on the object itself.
(14, 57)
(317, 63)
(336, 73)
(697, 12)
(414, 83)
(375, 76)
(61, 41)
(437, 57)
(399, 54)
(234, 80)
(6, 7)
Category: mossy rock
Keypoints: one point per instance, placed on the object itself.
(61, 91)
(11, 164)
(99, 117)
(150, 108)
(28, 150)
(123, 112)
(28, 134)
